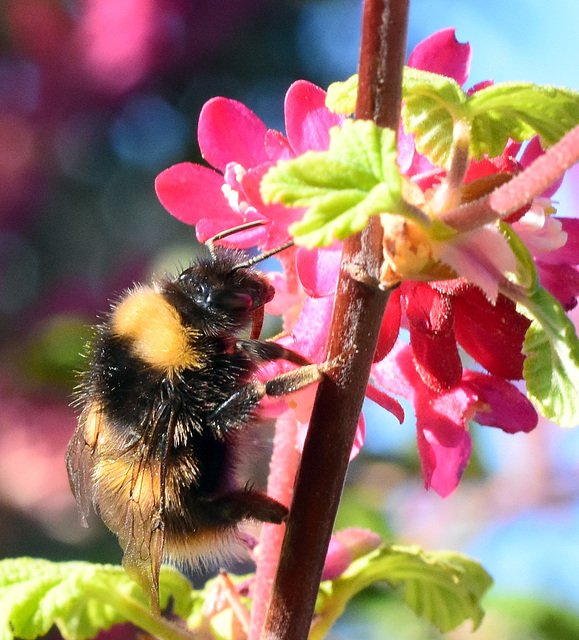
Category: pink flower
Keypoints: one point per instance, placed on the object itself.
(440, 315)
(554, 244)
(345, 547)
(115, 37)
(442, 417)
(238, 144)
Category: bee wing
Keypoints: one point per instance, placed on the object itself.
(123, 476)
(136, 516)
(80, 459)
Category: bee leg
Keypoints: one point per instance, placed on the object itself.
(265, 351)
(246, 504)
(294, 380)
(233, 413)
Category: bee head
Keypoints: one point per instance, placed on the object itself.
(221, 293)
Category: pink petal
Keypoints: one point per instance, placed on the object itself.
(397, 373)
(569, 253)
(208, 227)
(338, 559)
(318, 270)
(307, 119)
(428, 179)
(277, 146)
(280, 217)
(359, 437)
(492, 334)
(532, 151)
(500, 404)
(443, 441)
(562, 280)
(386, 402)
(191, 192)
(311, 330)
(406, 150)
(441, 53)
(542, 234)
(443, 466)
(304, 410)
(489, 166)
(283, 300)
(310, 333)
(230, 132)
(358, 541)
(390, 327)
(430, 321)
(481, 256)
(479, 86)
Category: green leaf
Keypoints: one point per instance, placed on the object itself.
(341, 96)
(551, 346)
(433, 104)
(551, 367)
(356, 178)
(81, 599)
(520, 110)
(517, 110)
(445, 587)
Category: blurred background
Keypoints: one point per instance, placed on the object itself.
(96, 98)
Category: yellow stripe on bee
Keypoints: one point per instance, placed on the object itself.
(92, 422)
(127, 480)
(155, 328)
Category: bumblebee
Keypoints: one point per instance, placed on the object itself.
(170, 386)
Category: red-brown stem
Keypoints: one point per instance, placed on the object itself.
(356, 321)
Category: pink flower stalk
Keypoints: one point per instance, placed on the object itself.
(440, 315)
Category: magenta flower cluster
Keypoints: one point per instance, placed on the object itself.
(440, 317)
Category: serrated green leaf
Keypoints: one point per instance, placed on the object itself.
(342, 187)
(445, 587)
(551, 366)
(520, 110)
(517, 110)
(341, 96)
(551, 346)
(433, 104)
(79, 598)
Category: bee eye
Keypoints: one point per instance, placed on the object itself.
(201, 293)
(231, 300)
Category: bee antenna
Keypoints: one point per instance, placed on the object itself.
(210, 244)
(263, 256)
